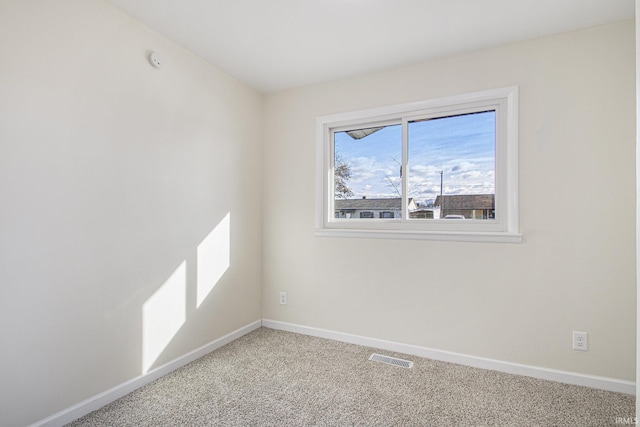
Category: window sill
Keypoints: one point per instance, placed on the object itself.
(452, 236)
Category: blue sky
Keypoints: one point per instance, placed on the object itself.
(461, 146)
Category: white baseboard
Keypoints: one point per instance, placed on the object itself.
(602, 383)
(98, 401)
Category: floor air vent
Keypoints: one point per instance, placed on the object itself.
(391, 360)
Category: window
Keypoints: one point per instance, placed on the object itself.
(442, 169)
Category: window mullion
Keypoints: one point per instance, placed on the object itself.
(405, 169)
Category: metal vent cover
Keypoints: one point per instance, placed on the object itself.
(391, 360)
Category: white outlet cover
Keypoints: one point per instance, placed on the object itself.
(580, 341)
(156, 59)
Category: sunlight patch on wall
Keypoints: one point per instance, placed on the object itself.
(213, 258)
(163, 314)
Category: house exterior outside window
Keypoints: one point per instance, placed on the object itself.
(471, 206)
(370, 208)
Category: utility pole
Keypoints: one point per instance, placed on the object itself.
(441, 198)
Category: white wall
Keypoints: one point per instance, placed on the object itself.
(519, 303)
(112, 173)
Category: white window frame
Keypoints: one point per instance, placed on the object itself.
(504, 228)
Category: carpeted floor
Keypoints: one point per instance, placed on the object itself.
(275, 378)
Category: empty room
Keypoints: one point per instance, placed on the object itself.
(323, 212)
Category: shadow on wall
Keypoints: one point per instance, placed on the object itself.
(165, 312)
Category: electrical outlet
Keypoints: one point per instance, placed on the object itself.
(283, 298)
(580, 341)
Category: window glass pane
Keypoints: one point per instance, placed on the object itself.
(451, 163)
(367, 178)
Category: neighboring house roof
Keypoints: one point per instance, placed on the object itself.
(467, 201)
(370, 204)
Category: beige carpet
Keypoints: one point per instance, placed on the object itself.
(275, 378)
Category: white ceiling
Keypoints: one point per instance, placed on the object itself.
(274, 45)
